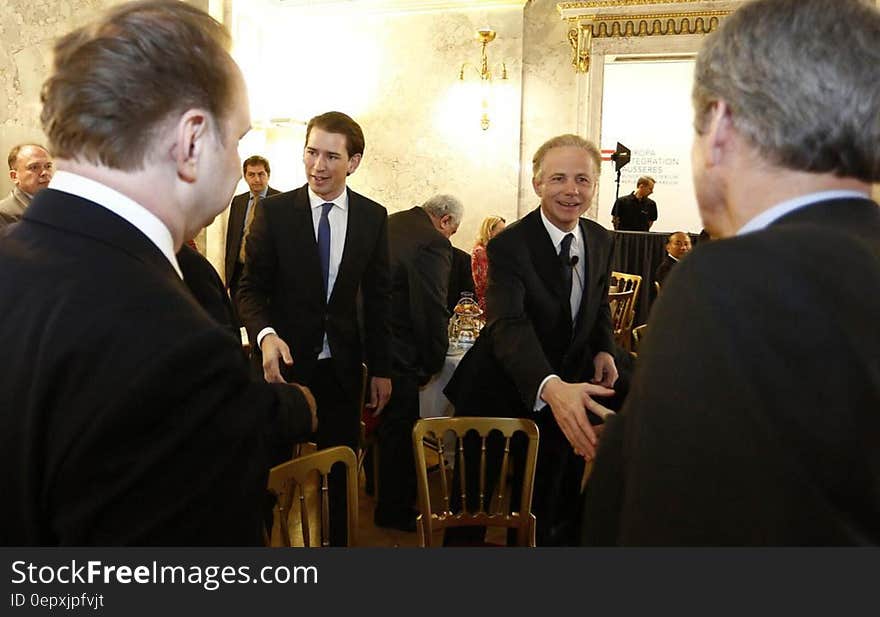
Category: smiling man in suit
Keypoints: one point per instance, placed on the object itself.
(314, 255)
(256, 171)
(549, 330)
(123, 387)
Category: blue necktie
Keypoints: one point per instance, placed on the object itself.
(324, 245)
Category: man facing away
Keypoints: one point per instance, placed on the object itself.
(549, 331)
(421, 261)
(314, 257)
(635, 212)
(677, 246)
(754, 418)
(30, 169)
(128, 414)
(256, 171)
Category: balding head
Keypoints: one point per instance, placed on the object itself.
(30, 167)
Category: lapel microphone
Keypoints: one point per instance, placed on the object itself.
(573, 260)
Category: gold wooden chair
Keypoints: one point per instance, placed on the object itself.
(620, 303)
(294, 477)
(620, 281)
(428, 435)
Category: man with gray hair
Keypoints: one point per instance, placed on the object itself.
(421, 261)
(754, 418)
(547, 349)
(30, 169)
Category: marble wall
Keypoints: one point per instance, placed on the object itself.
(395, 70)
(28, 29)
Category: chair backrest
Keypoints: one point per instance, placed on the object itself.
(296, 477)
(621, 281)
(495, 436)
(620, 303)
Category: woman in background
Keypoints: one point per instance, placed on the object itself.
(491, 227)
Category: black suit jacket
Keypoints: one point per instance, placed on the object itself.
(282, 287)
(663, 269)
(754, 418)
(529, 334)
(461, 277)
(421, 259)
(128, 414)
(205, 285)
(235, 229)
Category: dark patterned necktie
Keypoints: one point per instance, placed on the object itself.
(324, 245)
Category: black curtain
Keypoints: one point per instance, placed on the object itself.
(640, 252)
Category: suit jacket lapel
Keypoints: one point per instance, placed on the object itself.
(303, 236)
(544, 255)
(590, 297)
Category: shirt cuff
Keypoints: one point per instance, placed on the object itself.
(539, 402)
(266, 332)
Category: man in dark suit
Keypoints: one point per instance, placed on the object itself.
(124, 389)
(421, 258)
(677, 246)
(461, 277)
(549, 330)
(256, 171)
(314, 255)
(754, 418)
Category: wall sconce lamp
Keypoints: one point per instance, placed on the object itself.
(484, 36)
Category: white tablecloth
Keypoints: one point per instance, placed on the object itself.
(432, 402)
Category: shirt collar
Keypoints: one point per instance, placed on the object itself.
(556, 234)
(317, 201)
(671, 256)
(263, 194)
(770, 215)
(144, 220)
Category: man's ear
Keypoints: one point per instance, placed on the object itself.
(13, 175)
(719, 132)
(536, 182)
(189, 142)
(353, 163)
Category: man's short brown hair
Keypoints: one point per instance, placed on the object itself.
(338, 122)
(253, 161)
(114, 82)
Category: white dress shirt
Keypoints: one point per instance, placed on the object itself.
(578, 249)
(125, 207)
(779, 210)
(338, 217)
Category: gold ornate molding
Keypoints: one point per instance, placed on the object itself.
(593, 19)
(602, 4)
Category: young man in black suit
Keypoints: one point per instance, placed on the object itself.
(123, 386)
(314, 254)
(256, 171)
(754, 418)
(549, 331)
